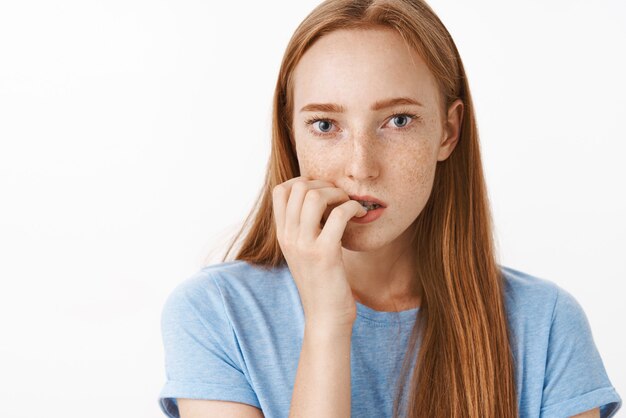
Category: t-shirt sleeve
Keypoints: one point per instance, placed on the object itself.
(575, 378)
(202, 355)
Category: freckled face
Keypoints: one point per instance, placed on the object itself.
(389, 153)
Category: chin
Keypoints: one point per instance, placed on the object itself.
(361, 240)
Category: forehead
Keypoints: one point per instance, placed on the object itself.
(359, 66)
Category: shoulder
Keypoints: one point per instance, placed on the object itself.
(538, 303)
(230, 290)
(233, 276)
(545, 319)
(529, 295)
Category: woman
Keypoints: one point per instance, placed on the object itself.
(371, 248)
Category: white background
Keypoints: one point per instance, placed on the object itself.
(134, 137)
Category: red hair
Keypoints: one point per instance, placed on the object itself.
(465, 366)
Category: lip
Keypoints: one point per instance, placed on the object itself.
(368, 199)
(371, 216)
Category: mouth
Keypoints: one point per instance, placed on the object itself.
(368, 202)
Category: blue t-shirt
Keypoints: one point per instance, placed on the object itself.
(234, 331)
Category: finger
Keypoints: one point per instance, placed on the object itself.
(337, 221)
(316, 203)
(280, 197)
(295, 201)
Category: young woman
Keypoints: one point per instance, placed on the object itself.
(368, 284)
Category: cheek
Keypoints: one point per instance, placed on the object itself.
(313, 163)
(415, 170)
(418, 165)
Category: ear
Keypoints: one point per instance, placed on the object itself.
(452, 130)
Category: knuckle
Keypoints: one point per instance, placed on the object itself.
(340, 211)
(314, 195)
(299, 186)
(278, 190)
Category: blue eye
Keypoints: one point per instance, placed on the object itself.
(324, 123)
(401, 120)
(403, 117)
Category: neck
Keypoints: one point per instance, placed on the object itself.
(384, 279)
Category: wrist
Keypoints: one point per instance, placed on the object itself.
(323, 330)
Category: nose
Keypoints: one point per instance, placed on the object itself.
(363, 157)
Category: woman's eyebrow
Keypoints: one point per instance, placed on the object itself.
(381, 104)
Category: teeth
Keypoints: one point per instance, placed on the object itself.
(369, 205)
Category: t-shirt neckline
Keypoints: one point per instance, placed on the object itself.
(408, 315)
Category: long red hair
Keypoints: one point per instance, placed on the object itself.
(465, 366)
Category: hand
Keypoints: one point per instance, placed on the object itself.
(312, 251)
